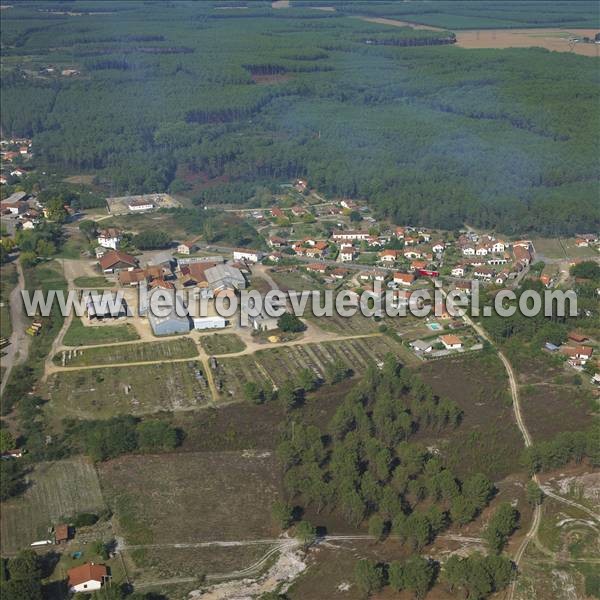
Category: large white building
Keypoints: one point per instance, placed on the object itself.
(249, 255)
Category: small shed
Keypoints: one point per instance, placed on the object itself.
(61, 533)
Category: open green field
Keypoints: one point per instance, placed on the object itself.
(149, 351)
(549, 408)
(222, 343)
(57, 490)
(296, 280)
(278, 365)
(143, 222)
(92, 282)
(196, 497)
(80, 335)
(8, 280)
(107, 391)
(562, 248)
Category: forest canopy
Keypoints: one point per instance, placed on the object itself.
(427, 132)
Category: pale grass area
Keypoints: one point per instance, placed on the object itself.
(56, 490)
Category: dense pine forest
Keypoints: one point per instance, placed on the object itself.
(233, 95)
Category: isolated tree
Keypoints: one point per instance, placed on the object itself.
(7, 441)
(154, 435)
(307, 380)
(396, 575)
(376, 527)
(368, 576)
(305, 533)
(419, 574)
(290, 323)
(534, 493)
(500, 526)
(253, 392)
(286, 394)
(89, 229)
(282, 513)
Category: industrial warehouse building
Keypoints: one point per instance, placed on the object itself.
(177, 321)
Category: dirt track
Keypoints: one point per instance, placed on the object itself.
(16, 351)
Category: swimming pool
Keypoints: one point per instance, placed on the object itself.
(434, 326)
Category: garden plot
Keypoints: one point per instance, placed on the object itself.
(152, 351)
(56, 490)
(278, 365)
(104, 392)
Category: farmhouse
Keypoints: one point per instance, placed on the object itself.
(451, 342)
(412, 254)
(113, 262)
(249, 255)
(438, 247)
(347, 253)
(389, 256)
(109, 238)
(316, 268)
(522, 254)
(277, 213)
(339, 273)
(403, 278)
(186, 248)
(421, 346)
(276, 242)
(87, 577)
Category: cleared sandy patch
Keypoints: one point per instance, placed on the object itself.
(551, 39)
(397, 23)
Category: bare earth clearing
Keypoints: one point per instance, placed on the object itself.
(550, 38)
(56, 490)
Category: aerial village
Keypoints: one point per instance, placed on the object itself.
(309, 243)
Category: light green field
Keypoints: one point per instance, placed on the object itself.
(80, 335)
(92, 282)
(59, 489)
(103, 392)
(222, 343)
(150, 351)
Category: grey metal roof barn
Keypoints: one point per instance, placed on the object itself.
(176, 321)
(225, 276)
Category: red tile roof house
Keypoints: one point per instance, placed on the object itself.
(339, 273)
(451, 342)
(276, 242)
(404, 278)
(278, 213)
(577, 337)
(87, 577)
(317, 268)
(113, 262)
(389, 256)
